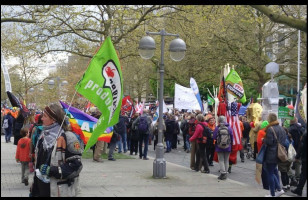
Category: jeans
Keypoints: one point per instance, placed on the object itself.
(145, 139)
(169, 145)
(8, 134)
(273, 177)
(123, 138)
(112, 146)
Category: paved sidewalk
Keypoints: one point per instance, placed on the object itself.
(129, 178)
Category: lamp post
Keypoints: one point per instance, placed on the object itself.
(177, 50)
(51, 84)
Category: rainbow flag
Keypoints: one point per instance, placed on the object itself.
(84, 124)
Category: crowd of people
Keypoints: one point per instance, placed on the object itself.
(44, 139)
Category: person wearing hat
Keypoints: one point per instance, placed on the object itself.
(261, 134)
(57, 157)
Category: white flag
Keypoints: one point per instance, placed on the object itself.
(184, 98)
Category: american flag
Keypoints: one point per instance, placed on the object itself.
(233, 121)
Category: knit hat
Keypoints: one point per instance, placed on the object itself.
(264, 124)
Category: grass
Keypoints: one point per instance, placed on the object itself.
(89, 155)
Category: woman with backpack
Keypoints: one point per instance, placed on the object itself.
(224, 136)
(57, 157)
(198, 136)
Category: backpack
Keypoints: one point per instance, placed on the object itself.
(5, 123)
(206, 134)
(143, 125)
(184, 126)
(36, 135)
(223, 137)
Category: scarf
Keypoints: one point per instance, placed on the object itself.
(50, 134)
(271, 124)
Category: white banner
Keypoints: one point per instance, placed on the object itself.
(184, 98)
(6, 75)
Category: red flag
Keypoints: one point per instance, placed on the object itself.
(222, 91)
(127, 106)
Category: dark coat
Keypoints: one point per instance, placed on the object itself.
(171, 127)
(302, 150)
(10, 122)
(295, 131)
(17, 125)
(271, 142)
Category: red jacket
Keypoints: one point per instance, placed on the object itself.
(198, 132)
(23, 150)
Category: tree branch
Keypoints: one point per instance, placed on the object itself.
(289, 21)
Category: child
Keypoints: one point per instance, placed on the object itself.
(23, 154)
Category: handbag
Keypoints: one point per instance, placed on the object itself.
(291, 153)
(281, 152)
(31, 167)
(261, 154)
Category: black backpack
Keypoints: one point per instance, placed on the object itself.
(206, 134)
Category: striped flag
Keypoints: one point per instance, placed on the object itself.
(83, 124)
(233, 121)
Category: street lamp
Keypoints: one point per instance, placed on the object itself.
(177, 50)
(51, 84)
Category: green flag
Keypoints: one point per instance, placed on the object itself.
(234, 86)
(102, 84)
(210, 100)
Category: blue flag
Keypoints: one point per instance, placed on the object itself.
(195, 88)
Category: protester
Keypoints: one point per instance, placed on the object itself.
(184, 128)
(253, 136)
(261, 134)
(58, 157)
(302, 154)
(17, 125)
(8, 126)
(223, 153)
(175, 132)
(122, 131)
(134, 135)
(284, 167)
(194, 147)
(155, 131)
(143, 122)
(23, 154)
(170, 129)
(198, 137)
(271, 160)
(113, 142)
(210, 147)
(35, 134)
(296, 133)
(245, 133)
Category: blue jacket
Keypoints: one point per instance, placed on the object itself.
(217, 149)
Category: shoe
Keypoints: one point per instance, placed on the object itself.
(269, 195)
(205, 171)
(26, 182)
(229, 170)
(140, 157)
(242, 160)
(211, 164)
(295, 191)
(120, 152)
(293, 183)
(285, 187)
(145, 158)
(98, 160)
(111, 159)
(224, 176)
(279, 193)
(167, 151)
(288, 187)
(187, 151)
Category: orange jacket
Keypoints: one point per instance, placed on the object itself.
(261, 134)
(242, 128)
(23, 150)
